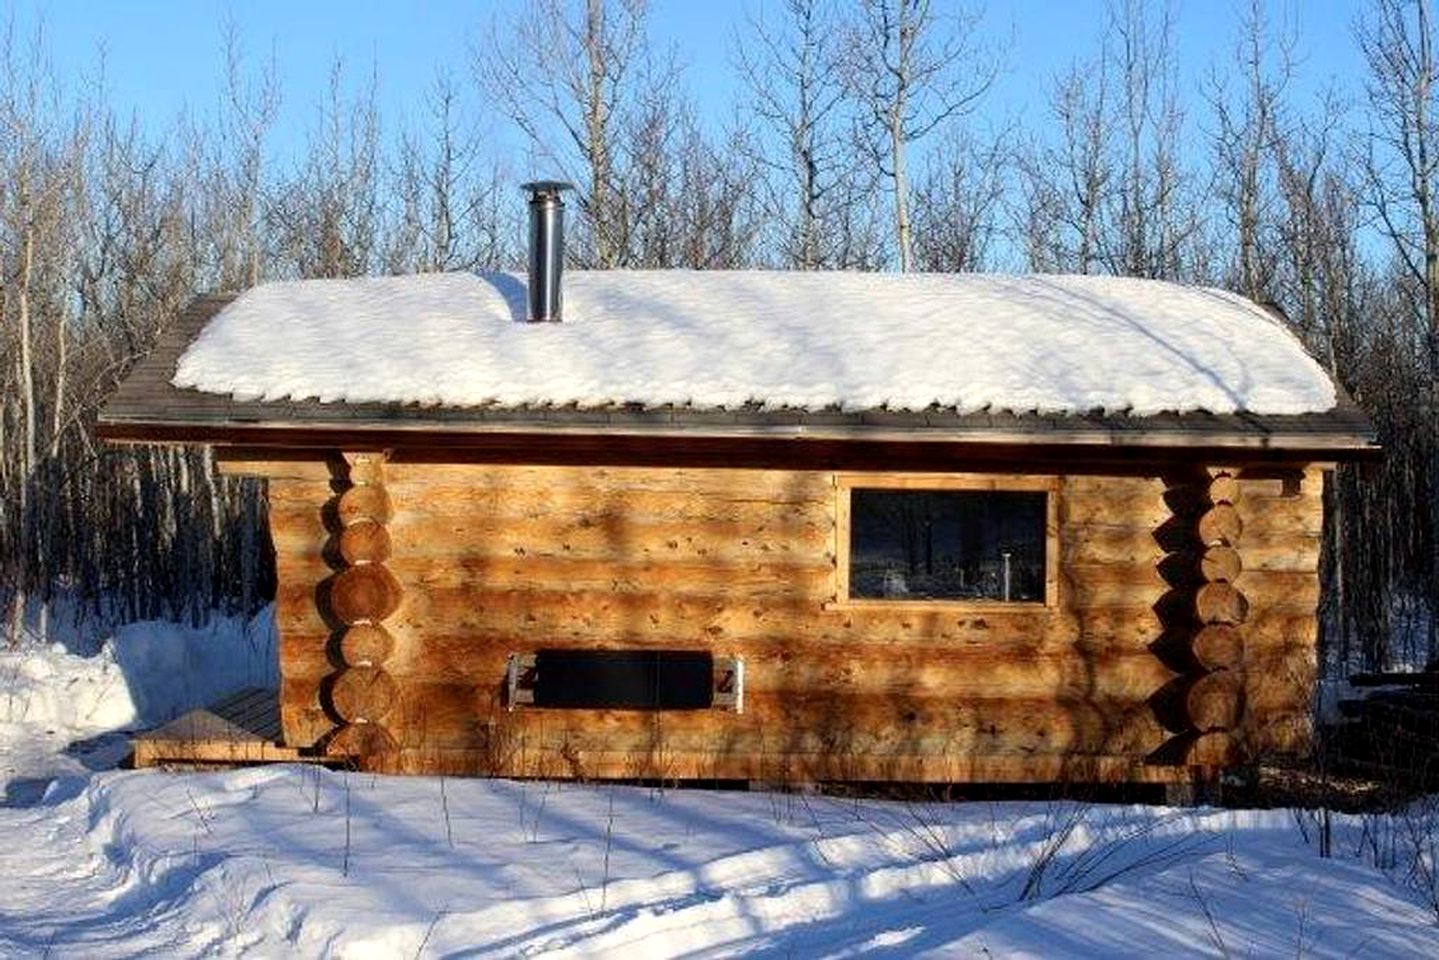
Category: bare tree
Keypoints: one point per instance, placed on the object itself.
(1401, 164)
(252, 105)
(1249, 127)
(41, 151)
(957, 204)
(327, 216)
(1110, 193)
(1153, 219)
(1401, 155)
(569, 76)
(911, 69)
(451, 212)
(791, 67)
(1068, 183)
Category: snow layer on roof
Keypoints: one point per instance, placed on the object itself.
(1048, 344)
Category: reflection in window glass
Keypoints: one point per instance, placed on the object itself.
(947, 545)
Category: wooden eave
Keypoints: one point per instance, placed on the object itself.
(147, 408)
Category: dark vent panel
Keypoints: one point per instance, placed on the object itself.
(624, 679)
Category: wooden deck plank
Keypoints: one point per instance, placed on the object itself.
(241, 728)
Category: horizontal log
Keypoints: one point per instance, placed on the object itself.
(1280, 591)
(1224, 488)
(364, 645)
(652, 505)
(1220, 524)
(1140, 573)
(679, 615)
(365, 541)
(926, 673)
(791, 768)
(1100, 545)
(289, 493)
(477, 479)
(590, 616)
(368, 592)
(1216, 701)
(1219, 646)
(1280, 526)
(1143, 511)
(428, 646)
(363, 694)
(751, 581)
(790, 578)
(363, 503)
(778, 666)
(1299, 555)
(1220, 603)
(618, 546)
(607, 535)
(1221, 563)
(451, 715)
(1086, 594)
(1079, 484)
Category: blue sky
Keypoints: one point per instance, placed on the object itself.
(163, 56)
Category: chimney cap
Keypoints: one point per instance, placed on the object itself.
(547, 188)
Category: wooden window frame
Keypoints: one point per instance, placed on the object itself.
(845, 483)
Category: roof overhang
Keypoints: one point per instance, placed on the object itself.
(148, 409)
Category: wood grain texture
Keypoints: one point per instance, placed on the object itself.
(1224, 488)
(1216, 701)
(365, 593)
(1219, 646)
(365, 541)
(1221, 603)
(1220, 525)
(363, 694)
(1221, 563)
(490, 560)
(366, 644)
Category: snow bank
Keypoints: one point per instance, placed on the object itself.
(1052, 344)
(146, 673)
(49, 688)
(284, 861)
(171, 668)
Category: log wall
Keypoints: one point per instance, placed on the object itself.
(1136, 672)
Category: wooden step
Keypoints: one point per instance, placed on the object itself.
(241, 728)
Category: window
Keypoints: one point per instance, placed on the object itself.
(947, 540)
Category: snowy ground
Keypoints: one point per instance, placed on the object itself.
(292, 861)
(62, 704)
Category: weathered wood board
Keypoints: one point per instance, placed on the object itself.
(240, 729)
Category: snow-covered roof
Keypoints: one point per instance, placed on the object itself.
(715, 339)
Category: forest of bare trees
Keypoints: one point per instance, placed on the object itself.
(855, 142)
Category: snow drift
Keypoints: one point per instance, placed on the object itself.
(712, 339)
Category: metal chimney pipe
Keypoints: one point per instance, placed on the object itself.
(547, 249)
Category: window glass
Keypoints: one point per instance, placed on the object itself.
(947, 545)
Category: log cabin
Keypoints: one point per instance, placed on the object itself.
(774, 527)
